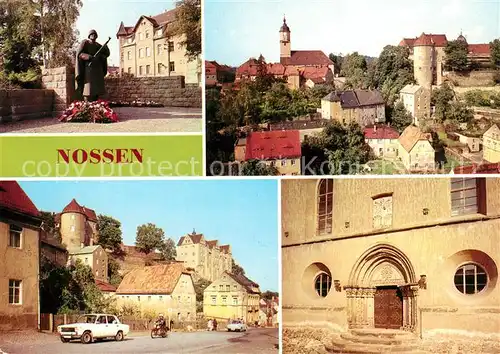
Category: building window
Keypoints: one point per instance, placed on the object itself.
(214, 299)
(283, 162)
(322, 284)
(470, 279)
(382, 212)
(148, 51)
(159, 32)
(129, 55)
(224, 300)
(140, 70)
(147, 34)
(235, 301)
(72, 216)
(73, 228)
(15, 236)
(160, 297)
(171, 66)
(468, 196)
(129, 70)
(158, 49)
(15, 292)
(86, 260)
(141, 53)
(149, 298)
(325, 206)
(160, 68)
(221, 287)
(170, 46)
(228, 287)
(148, 69)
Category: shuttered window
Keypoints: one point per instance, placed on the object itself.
(325, 206)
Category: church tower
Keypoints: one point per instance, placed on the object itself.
(285, 43)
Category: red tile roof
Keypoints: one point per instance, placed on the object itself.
(225, 248)
(275, 69)
(212, 243)
(106, 287)
(90, 213)
(485, 168)
(439, 40)
(249, 285)
(273, 145)
(313, 72)
(73, 207)
(195, 238)
(309, 57)
(14, 198)
(479, 49)
(380, 132)
(158, 20)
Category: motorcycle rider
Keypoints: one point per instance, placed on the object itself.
(161, 323)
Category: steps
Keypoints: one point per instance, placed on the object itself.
(375, 341)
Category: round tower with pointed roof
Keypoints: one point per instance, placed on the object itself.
(423, 55)
(285, 43)
(73, 226)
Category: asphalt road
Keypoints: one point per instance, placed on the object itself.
(254, 341)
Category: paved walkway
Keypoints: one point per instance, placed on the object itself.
(132, 120)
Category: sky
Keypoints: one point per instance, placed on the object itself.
(236, 30)
(241, 213)
(105, 17)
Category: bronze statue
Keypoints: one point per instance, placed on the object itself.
(91, 67)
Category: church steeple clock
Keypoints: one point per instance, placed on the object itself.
(285, 43)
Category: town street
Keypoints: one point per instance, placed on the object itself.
(131, 120)
(254, 341)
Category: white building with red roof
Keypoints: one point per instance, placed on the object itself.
(280, 148)
(383, 140)
(19, 265)
(149, 48)
(298, 67)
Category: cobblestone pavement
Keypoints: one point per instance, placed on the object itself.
(132, 120)
(255, 341)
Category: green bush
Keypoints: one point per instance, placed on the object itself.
(31, 79)
(482, 98)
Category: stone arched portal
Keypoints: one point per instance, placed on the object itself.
(381, 268)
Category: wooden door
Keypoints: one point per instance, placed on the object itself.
(388, 307)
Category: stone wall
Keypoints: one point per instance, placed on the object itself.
(169, 91)
(25, 104)
(472, 79)
(62, 82)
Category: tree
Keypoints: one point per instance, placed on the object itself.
(460, 113)
(114, 272)
(54, 280)
(188, 24)
(49, 224)
(456, 58)
(353, 69)
(336, 150)
(269, 295)
(110, 233)
(391, 72)
(495, 53)
(149, 237)
(258, 168)
(199, 287)
(337, 62)
(400, 117)
(168, 251)
(237, 269)
(441, 99)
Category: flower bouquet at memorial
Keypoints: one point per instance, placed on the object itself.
(89, 112)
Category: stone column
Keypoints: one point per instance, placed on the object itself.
(62, 82)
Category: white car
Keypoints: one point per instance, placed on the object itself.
(236, 326)
(93, 326)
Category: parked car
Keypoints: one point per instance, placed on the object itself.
(90, 327)
(236, 326)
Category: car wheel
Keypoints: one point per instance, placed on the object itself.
(228, 330)
(64, 340)
(86, 337)
(119, 336)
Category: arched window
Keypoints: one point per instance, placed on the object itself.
(322, 284)
(470, 279)
(325, 206)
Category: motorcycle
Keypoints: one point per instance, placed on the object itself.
(159, 331)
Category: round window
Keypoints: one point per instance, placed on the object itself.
(470, 279)
(322, 284)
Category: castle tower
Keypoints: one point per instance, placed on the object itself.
(73, 226)
(285, 43)
(423, 60)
